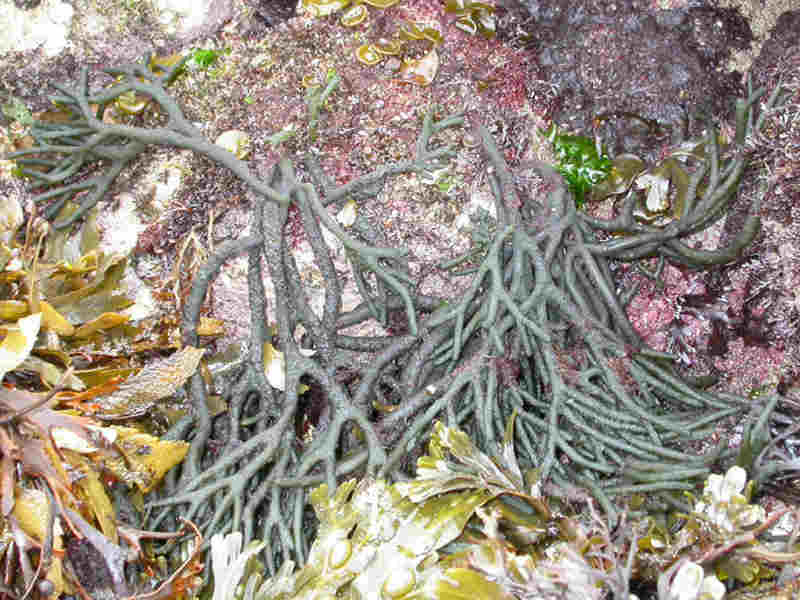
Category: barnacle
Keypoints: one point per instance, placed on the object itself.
(420, 31)
(418, 71)
(355, 15)
(473, 17)
(388, 48)
(422, 71)
(323, 8)
(368, 55)
(381, 3)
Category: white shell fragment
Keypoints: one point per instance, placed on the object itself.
(347, 216)
(236, 142)
(657, 187)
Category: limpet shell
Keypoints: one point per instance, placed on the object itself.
(467, 25)
(387, 48)
(398, 583)
(412, 31)
(355, 15)
(340, 553)
(366, 54)
(422, 71)
(323, 8)
(381, 3)
(129, 102)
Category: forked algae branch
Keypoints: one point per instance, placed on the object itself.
(541, 333)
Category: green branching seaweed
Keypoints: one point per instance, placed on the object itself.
(541, 332)
(63, 149)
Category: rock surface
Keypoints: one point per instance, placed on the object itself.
(642, 75)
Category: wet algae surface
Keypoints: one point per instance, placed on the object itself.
(642, 78)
